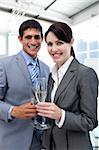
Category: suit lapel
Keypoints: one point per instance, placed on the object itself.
(50, 87)
(40, 68)
(66, 79)
(23, 68)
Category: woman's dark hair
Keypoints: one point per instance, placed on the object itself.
(30, 24)
(63, 32)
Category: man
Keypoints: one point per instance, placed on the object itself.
(16, 91)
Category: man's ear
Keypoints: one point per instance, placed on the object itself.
(19, 38)
(42, 39)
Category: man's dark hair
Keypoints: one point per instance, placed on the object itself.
(30, 24)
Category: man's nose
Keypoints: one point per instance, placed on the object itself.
(33, 40)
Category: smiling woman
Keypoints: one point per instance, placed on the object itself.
(71, 106)
(59, 45)
(59, 50)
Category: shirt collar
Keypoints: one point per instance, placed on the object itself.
(65, 66)
(62, 70)
(29, 59)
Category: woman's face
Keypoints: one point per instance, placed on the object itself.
(58, 50)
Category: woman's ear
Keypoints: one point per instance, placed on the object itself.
(72, 40)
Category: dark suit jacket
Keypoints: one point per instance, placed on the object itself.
(77, 95)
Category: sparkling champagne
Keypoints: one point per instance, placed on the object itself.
(40, 95)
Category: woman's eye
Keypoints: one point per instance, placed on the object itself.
(49, 44)
(60, 43)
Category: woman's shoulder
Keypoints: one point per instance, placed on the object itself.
(86, 71)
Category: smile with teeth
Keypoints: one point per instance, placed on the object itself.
(57, 54)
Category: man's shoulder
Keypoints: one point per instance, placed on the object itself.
(7, 59)
(43, 64)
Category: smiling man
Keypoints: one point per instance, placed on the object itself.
(17, 74)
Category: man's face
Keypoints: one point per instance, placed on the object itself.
(31, 41)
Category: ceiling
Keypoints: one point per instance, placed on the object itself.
(52, 10)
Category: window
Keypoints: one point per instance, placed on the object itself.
(3, 44)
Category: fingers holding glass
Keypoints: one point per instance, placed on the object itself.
(40, 92)
(49, 110)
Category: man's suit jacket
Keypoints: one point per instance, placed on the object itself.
(16, 89)
(77, 95)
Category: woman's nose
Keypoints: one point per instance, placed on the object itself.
(54, 47)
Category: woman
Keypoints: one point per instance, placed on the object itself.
(72, 90)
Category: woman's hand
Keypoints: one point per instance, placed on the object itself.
(50, 110)
(25, 111)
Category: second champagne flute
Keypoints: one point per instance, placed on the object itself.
(40, 95)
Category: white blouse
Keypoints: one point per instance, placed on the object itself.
(57, 76)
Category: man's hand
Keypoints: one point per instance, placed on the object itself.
(24, 111)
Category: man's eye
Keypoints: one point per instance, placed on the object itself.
(29, 37)
(37, 37)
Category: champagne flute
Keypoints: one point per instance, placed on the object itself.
(34, 102)
(40, 96)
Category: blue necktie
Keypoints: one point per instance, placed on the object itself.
(34, 71)
(34, 74)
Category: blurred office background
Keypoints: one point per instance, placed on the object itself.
(81, 15)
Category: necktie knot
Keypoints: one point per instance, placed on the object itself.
(32, 63)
